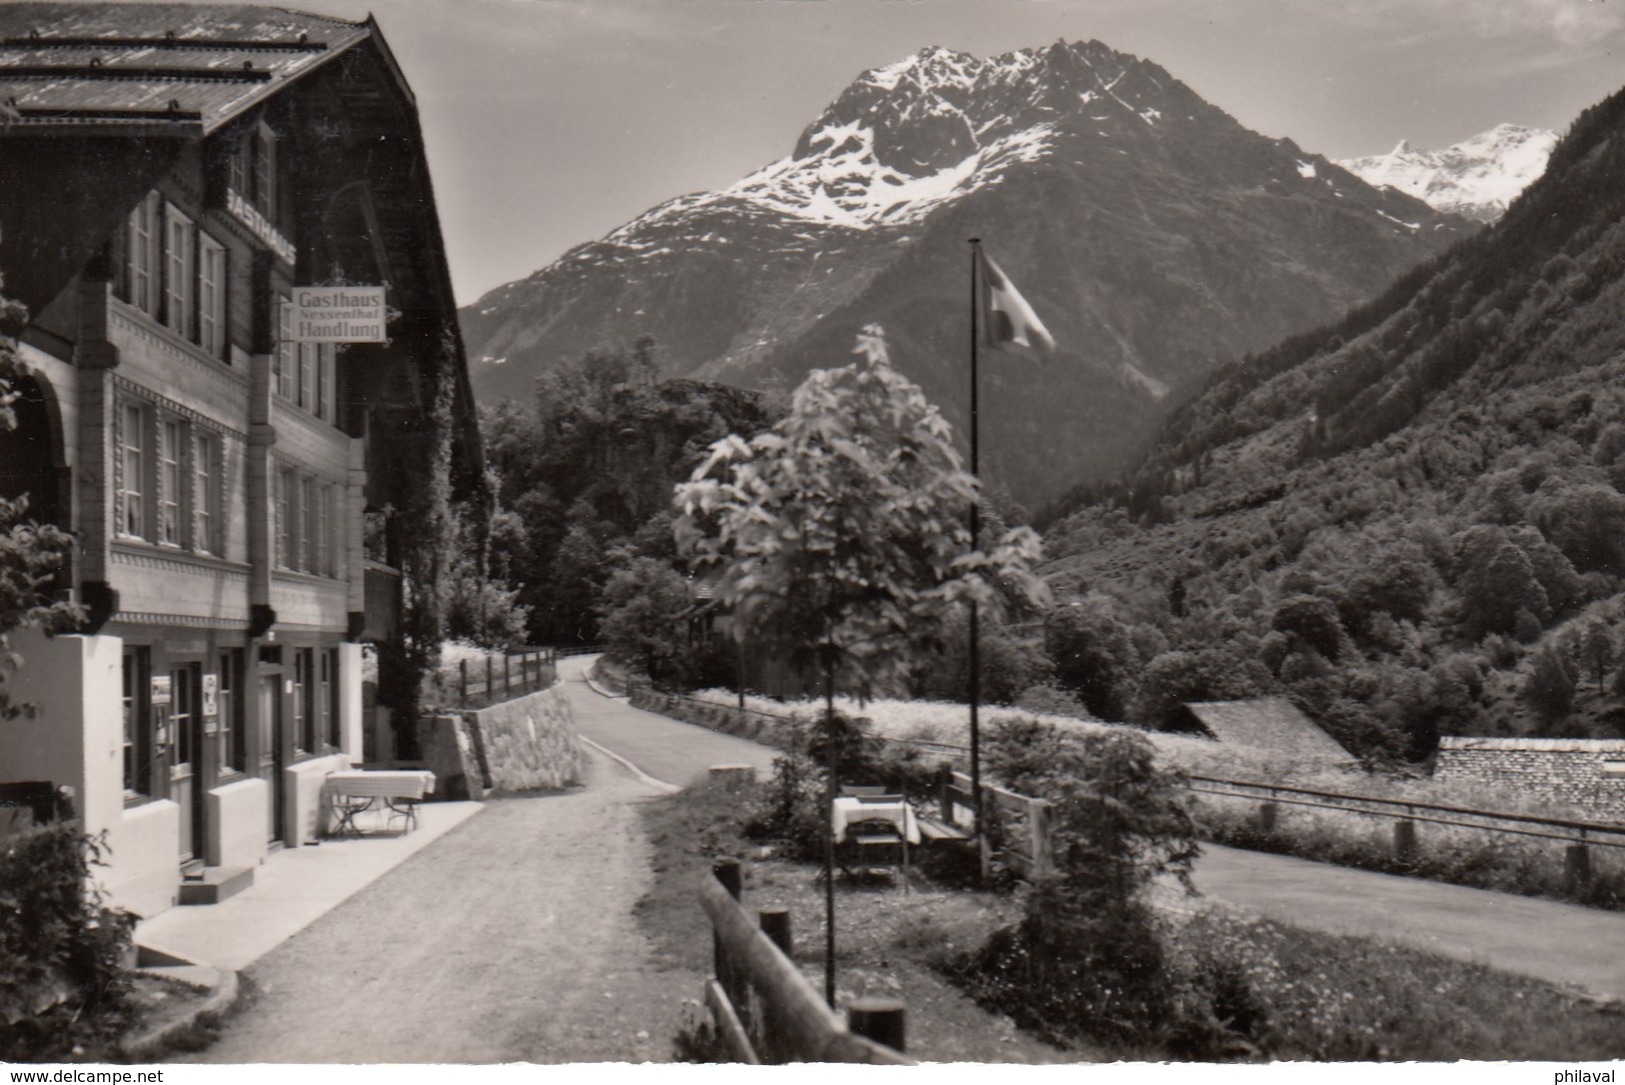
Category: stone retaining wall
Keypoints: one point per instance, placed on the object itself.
(775, 731)
(1588, 774)
(525, 744)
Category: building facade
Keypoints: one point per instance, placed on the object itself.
(170, 174)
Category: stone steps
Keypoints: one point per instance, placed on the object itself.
(217, 884)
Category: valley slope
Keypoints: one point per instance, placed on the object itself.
(1411, 521)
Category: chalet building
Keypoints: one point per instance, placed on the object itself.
(170, 176)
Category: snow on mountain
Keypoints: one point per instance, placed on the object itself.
(1156, 235)
(1477, 178)
(906, 138)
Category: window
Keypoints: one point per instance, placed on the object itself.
(264, 196)
(169, 482)
(326, 364)
(284, 519)
(180, 274)
(137, 724)
(330, 695)
(203, 474)
(141, 272)
(183, 689)
(309, 526)
(306, 392)
(211, 293)
(304, 691)
(327, 540)
(228, 744)
(304, 373)
(283, 369)
(134, 465)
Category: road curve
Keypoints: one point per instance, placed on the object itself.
(1560, 943)
(662, 747)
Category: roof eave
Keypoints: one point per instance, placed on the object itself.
(276, 86)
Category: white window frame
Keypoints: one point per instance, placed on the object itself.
(204, 470)
(327, 380)
(211, 289)
(264, 173)
(133, 452)
(307, 524)
(284, 518)
(309, 354)
(285, 358)
(168, 489)
(180, 273)
(143, 253)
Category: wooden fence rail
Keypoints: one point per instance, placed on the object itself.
(1023, 822)
(764, 1008)
(1577, 836)
(501, 676)
(1026, 820)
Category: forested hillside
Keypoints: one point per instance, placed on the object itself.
(586, 470)
(1410, 522)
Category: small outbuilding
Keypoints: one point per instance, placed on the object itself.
(1266, 723)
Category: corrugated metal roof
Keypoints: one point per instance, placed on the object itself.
(189, 64)
(1269, 723)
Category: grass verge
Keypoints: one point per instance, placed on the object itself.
(1289, 993)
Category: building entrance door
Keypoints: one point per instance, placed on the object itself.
(185, 775)
(270, 749)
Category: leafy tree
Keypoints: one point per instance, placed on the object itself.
(1310, 621)
(1586, 523)
(1087, 956)
(1010, 665)
(841, 538)
(1093, 654)
(1496, 580)
(840, 534)
(1549, 689)
(1597, 649)
(645, 612)
(589, 465)
(1206, 674)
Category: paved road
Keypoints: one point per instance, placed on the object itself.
(665, 749)
(1559, 943)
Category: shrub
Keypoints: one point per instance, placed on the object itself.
(1088, 956)
(62, 953)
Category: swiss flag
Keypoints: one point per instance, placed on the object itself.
(1008, 322)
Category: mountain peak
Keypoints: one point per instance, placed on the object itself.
(1477, 177)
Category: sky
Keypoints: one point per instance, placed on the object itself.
(551, 122)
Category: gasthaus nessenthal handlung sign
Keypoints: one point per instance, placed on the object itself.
(338, 314)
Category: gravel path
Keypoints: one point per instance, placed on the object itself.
(510, 939)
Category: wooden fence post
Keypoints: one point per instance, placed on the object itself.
(462, 682)
(776, 925)
(729, 974)
(1038, 827)
(489, 685)
(879, 1019)
(1576, 868)
(1267, 813)
(507, 676)
(1405, 840)
(945, 793)
(727, 871)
